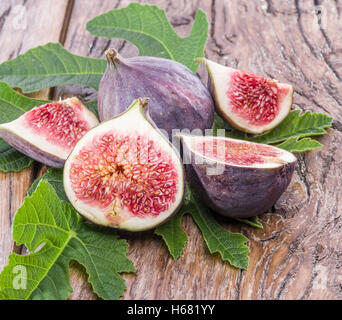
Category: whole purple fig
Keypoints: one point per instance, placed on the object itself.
(178, 98)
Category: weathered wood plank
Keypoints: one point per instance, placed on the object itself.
(26, 24)
(23, 26)
(297, 255)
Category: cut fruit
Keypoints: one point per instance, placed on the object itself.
(124, 173)
(49, 132)
(248, 102)
(236, 178)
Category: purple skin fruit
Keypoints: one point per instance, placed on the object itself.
(31, 150)
(239, 192)
(29, 132)
(178, 98)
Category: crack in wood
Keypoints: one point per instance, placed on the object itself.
(327, 40)
(311, 99)
(284, 284)
(105, 48)
(302, 173)
(178, 22)
(270, 7)
(117, 5)
(337, 6)
(337, 125)
(229, 38)
(10, 194)
(124, 42)
(301, 30)
(3, 17)
(67, 17)
(265, 268)
(274, 236)
(93, 45)
(332, 92)
(314, 273)
(239, 284)
(212, 30)
(331, 67)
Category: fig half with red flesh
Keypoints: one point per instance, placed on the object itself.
(236, 178)
(124, 173)
(49, 132)
(248, 102)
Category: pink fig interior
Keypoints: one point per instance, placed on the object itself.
(126, 167)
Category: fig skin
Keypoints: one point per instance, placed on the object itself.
(30, 150)
(24, 135)
(239, 191)
(178, 98)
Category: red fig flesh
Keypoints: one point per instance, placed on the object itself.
(124, 173)
(178, 98)
(49, 132)
(248, 102)
(236, 178)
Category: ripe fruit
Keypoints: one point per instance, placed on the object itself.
(178, 98)
(248, 102)
(236, 178)
(49, 132)
(124, 173)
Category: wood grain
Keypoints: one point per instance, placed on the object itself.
(298, 254)
(27, 27)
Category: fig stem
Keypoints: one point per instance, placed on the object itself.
(199, 60)
(113, 57)
(144, 102)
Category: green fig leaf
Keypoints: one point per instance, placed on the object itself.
(220, 124)
(92, 106)
(252, 222)
(51, 65)
(230, 246)
(13, 104)
(12, 160)
(55, 234)
(289, 132)
(294, 144)
(55, 178)
(296, 125)
(173, 234)
(148, 28)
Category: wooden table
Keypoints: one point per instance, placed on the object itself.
(298, 254)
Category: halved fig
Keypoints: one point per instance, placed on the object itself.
(124, 173)
(248, 102)
(236, 178)
(49, 132)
